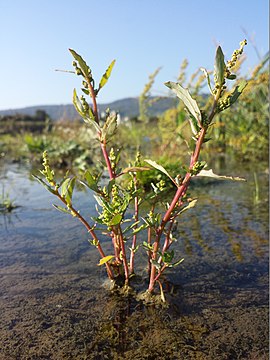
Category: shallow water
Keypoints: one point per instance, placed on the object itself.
(53, 305)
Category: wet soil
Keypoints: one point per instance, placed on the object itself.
(67, 315)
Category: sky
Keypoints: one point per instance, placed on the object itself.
(141, 35)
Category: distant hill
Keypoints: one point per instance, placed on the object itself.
(128, 107)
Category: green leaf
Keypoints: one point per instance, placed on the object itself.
(60, 208)
(106, 75)
(160, 168)
(209, 173)
(231, 77)
(78, 105)
(193, 125)
(176, 263)
(104, 204)
(109, 127)
(89, 120)
(136, 230)
(47, 187)
(88, 116)
(105, 259)
(189, 102)
(156, 264)
(85, 91)
(237, 92)
(190, 205)
(207, 78)
(110, 186)
(168, 256)
(90, 181)
(219, 66)
(67, 189)
(115, 220)
(98, 220)
(140, 228)
(84, 67)
(94, 242)
(147, 246)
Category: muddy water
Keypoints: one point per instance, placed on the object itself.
(52, 304)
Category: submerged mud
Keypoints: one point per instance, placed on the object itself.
(68, 316)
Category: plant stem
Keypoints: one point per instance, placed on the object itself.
(107, 160)
(124, 256)
(134, 239)
(182, 189)
(94, 99)
(149, 252)
(178, 195)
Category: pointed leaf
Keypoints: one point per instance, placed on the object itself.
(237, 92)
(43, 183)
(176, 263)
(131, 226)
(219, 66)
(160, 168)
(105, 259)
(209, 173)
(67, 189)
(110, 186)
(106, 75)
(60, 208)
(89, 120)
(115, 220)
(193, 125)
(88, 116)
(189, 102)
(109, 127)
(84, 67)
(207, 78)
(77, 104)
(190, 205)
(90, 181)
(103, 203)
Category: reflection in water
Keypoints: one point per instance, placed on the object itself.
(227, 217)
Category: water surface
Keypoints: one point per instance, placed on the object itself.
(54, 307)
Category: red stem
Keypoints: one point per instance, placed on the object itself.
(178, 195)
(107, 160)
(94, 100)
(125, 263)
(134, 240)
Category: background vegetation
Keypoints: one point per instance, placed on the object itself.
(154, 124)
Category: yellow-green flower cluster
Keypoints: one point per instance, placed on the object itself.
(112, 158)
(231, 63)
(85, 104)
(117, 200)
(77, 69)
(161, 185)
(138, 159)
(224, 103)
(47, 172)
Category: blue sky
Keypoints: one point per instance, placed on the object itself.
(140, 34)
